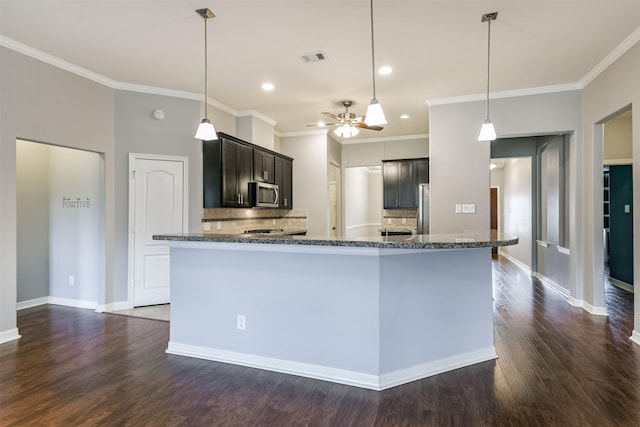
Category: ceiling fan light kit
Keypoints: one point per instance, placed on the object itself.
(488, 132)
(206, 131)
(375, 115)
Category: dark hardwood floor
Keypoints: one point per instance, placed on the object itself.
(558, 366)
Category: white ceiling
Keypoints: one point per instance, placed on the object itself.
(437, 49)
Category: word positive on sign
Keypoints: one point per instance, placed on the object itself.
(76, 202)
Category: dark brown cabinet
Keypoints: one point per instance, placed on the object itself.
(400, 182)
(230, 164)
(263, 166)
(284, 180)
(227, 171)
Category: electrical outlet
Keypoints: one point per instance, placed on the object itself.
(404, 220)
(71, 281)
(207, 226)
(471, 208)
(242, 322)
(274, 222)
(218, 225)
(388, 220)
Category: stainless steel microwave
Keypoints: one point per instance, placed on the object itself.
(264, 195)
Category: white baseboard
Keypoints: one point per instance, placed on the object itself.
(72, 302)
(114, 306)
(635, 337)
(553, 285)
(9, 335)
(341, 376)
(524, 267)
(99, 308)
(32, 303)
(622, 285)
(597, 311)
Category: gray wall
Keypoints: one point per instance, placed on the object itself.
(136, 131)
(43, 103)
(615, 89)
(32, 187)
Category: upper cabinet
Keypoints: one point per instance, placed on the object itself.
(284, 180)
(230, 164)
(400, 182)
(263, 166)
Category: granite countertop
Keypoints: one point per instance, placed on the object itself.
(484, 239)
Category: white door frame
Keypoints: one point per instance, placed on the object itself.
(185, 208)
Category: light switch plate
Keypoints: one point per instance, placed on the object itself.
(458, 208)
(627, 208)
(469, 208)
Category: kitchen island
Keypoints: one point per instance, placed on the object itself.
(372, 312)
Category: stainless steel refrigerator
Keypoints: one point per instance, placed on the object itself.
(423, 208)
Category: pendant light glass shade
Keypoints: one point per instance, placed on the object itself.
(375, 115)
(487, 132)
(206, 131)
(346, 131)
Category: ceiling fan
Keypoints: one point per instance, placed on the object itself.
(348, 123)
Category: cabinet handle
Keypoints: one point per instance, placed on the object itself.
(285, 201)
(265, 175)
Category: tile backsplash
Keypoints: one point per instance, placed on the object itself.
(400, 218)
(237, 221)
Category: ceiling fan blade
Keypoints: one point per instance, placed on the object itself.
(333, 116)
(365, 126)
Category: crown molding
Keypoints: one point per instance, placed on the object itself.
(505, 94)
(349, 141)
(302, 133)
(612, 57)
(257, 115)
(620, 50)
(105, 81)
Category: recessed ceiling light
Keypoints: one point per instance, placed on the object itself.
(268, 87)
(405, 116)
(383, 71)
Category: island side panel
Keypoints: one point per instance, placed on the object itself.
(436, 311)
(318, 309)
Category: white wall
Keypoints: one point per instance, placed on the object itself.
(362, 201)
(373, 153)
(516, 208)
(310, 179)
(255, 130)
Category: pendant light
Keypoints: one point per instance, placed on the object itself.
(487, 132)
(206, 131)
(375, 115)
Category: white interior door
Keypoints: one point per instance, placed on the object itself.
(159, 207)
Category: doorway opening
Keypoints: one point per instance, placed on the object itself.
(533, 176)
(618, 201)
(60, 225)
(335, 220)
(363, 201)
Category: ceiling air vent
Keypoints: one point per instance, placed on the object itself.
(314, 57)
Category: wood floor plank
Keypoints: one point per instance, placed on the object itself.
(557, 366)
